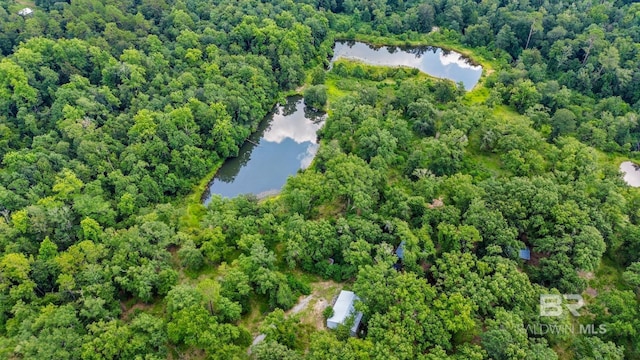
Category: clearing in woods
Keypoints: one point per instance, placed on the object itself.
(310, 307)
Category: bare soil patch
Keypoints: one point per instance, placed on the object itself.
(591, 292)
(587, 275)
(127, 313)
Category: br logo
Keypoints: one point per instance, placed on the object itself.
(552, 304)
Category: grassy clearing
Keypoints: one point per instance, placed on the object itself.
(194, 277)
(322, 295)
(507, 113)
(478, 95)
(132, 307)
(333, 90)
(252, 320)
(26, 3)
(489, 162)
(614, 159)
(308, 309)
(194, 210)
(608, 276)
(259, 305)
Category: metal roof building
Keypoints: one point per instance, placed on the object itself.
(400, 251)
(26, 11)
(342, 309)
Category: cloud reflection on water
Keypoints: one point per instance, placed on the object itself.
(433, 61)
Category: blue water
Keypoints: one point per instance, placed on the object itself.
(287, 142)
(433, 61)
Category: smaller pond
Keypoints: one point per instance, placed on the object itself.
(284, 142)
(631, 173)
(433, 61)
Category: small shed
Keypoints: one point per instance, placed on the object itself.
(525, 254)
(26, 11)
(342, 309)
(400, 251)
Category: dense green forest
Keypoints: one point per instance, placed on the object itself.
(115, 113)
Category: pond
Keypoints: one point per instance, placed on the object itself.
(433, 61)
(631, 173)
(285, 142)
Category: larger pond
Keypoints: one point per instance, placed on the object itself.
(285, 142)
(433, 61)
(631, 173)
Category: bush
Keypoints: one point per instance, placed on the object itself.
(297, 285)
(317, 76)
(190, 257)
(316, 96)
(327, 312)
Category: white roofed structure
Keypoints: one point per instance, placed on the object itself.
(342, 309)
(26, 11)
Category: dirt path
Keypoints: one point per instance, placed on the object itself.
(301, 305)
(318, 309)
(258, 339)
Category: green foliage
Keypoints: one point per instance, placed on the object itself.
(594, 348)
(317, 76)
(272, 350)
(327, 312)
(193, 326)
(524, 95)
(112, 113)
(442, 156)
(190, 257)
(632, 275)
(316, 96)
(444, 91)
(144, 337)
(282, 330)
